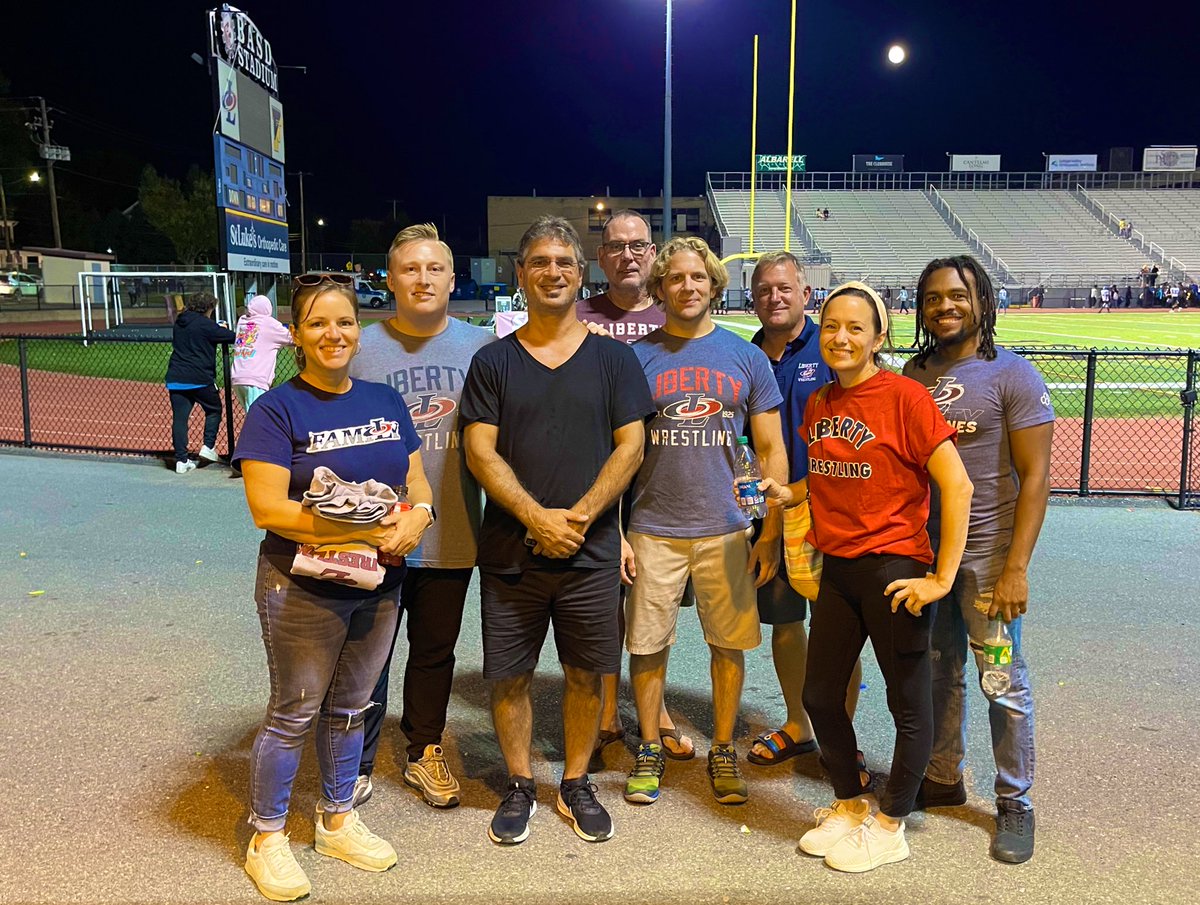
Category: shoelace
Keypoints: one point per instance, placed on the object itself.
(1012, 821)
(583, 799)
(436, 764)
(723, 764)
(822, 814)
(647, 763)
(280, 857)
(511, 807)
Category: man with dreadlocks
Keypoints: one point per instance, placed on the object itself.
(1005, 422)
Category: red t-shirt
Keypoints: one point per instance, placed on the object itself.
(867, 451)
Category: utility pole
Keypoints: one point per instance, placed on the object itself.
(394, 201)
(7, 235)
(303, 226)
(45, 124)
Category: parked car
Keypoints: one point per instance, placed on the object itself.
(25, 283)
(7, 290)
(370, 296)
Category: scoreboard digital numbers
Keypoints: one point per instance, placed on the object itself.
(248, 145)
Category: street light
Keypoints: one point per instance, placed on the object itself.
(667, 216)
(35, 176)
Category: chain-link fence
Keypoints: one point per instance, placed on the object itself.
(1124, 417)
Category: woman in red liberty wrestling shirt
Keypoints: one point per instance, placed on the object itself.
(875, 439)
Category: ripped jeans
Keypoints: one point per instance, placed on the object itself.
(324, 657)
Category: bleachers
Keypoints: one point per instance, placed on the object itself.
(884, 237)
(733, 207)
(1046, 236)
(1167, 217)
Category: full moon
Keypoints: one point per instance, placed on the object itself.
(896, 54)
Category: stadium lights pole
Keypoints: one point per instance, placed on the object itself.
(667, 218)
(303, 225)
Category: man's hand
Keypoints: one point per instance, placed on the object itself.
(557, 533)
(1011, 596)
(764, 559)
(628, 564)
(916, 593)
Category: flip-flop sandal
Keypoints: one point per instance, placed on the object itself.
(607, 737)
(862, 768)
(685, 753)
(781, 747)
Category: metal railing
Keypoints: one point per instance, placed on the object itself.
(1125, 417)
(968, 235)
(917, 181)
(1136, 236)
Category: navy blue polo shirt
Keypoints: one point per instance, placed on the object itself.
(800, 373)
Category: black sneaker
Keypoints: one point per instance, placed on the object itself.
(940, 795)
(577, 802)
(511, 823)
(1013, 841)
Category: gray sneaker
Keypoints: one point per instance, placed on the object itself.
(432, 777)
(362, 790)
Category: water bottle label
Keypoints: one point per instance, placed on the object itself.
(998, 654)
(748, 493)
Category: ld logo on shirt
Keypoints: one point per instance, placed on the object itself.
(694, 409)
(946, 392)
(429, 410)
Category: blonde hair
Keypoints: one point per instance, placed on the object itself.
(419, 232)
(774, 258)
(717, 274)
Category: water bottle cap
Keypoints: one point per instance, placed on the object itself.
(744, 441)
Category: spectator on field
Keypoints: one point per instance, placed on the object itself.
(1128, 296)
(192, 376)
(259, 338)
(887, 297)
(1002, 300)
(1093, 296)
(1154, 275)
(903, 300)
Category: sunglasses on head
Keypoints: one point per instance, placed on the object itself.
(316, 279)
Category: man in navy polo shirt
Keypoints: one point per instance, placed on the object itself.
(790, 339)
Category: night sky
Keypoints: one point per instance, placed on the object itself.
(439, 104)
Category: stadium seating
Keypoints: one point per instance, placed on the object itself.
(1168, 217)
(733, 208)
(1047, 236)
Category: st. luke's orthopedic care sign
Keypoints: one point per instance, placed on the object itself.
(255, 244)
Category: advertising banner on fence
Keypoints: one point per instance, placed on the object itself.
(1172, 159)
(777, 163)
(974, 163)
(1071, 163)
(878, 163)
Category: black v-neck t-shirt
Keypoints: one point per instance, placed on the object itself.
(555, 432)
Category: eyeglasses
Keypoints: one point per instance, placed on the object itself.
(316, 279)
(637, 248)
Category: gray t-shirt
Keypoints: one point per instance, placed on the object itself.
(704, 390)
(429, 371)
(986, 400)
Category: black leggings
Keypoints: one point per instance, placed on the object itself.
(850, 608)
(182, 402)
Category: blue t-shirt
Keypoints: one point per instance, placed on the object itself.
(800, 372)
(365, 433)
(704, 391)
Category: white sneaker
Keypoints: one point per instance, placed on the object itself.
(354, 844)
(867, 847)
(362, 790)
(433, 778)
(274, 870)
(185, 466)
(833, 824)
(209, 454)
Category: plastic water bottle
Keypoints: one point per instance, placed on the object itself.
(997, 657)
(747, 474)
(403, 505)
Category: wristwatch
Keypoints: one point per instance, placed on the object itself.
(428, 507)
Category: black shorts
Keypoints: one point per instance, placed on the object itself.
(517, 609)
(779, 603)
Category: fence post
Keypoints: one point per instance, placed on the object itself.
(23, 359)
(228, 374)
(1089, 405)
(1188, 398)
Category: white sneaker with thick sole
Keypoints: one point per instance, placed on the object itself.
(185, 467)
(274, 870)
(432, 777)
(354, 844)
(209, 454)
(834, 823)
(867, 847)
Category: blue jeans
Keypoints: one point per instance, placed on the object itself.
(324, 656)
(959, 624)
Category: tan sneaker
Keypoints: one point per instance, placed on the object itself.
(433, 778)
(354, 844)
(274, 870)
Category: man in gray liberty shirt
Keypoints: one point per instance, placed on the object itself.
(1001, 408)
(423, 354)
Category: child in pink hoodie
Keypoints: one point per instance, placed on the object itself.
(259, 337)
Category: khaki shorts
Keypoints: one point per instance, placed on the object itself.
(725, 598)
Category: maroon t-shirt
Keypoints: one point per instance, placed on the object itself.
(627, 326)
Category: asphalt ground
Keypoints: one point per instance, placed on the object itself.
(136, 679)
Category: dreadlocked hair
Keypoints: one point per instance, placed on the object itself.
(984, 290)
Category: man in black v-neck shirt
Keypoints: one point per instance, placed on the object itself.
(553, 429)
